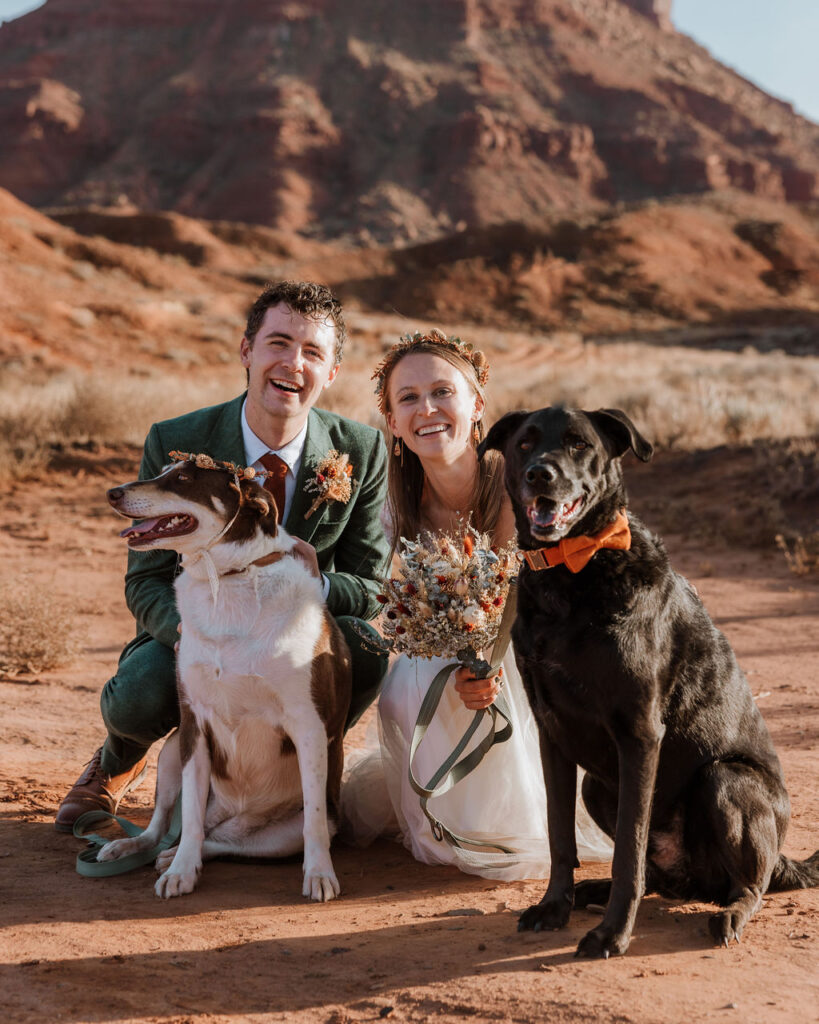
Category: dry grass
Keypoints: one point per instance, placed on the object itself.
(38, 629)
(680, 397)
(75, 408)
(686, 399)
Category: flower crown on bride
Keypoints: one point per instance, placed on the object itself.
(474, 357)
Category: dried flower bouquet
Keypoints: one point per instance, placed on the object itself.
(448, 597)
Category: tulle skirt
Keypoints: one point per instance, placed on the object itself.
(503, 801)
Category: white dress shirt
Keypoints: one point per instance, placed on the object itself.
(291, 454)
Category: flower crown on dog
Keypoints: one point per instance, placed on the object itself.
(239, 473)
(202, 461)
(408, 342)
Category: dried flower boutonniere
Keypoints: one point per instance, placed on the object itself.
(333, 481)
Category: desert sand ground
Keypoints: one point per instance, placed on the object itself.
(405, 942)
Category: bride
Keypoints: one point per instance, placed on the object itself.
(431, 391)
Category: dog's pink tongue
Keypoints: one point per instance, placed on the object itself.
(135, 531)
(542, 518)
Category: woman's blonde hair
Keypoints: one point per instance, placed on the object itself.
(406, 474)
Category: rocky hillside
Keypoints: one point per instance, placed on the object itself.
(732, 271)
(375, 122)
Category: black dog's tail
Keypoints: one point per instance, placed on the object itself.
(795, 874)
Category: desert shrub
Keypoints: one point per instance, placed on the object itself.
(22, 458)
(37, 628)
(750, 495)
(801, 553)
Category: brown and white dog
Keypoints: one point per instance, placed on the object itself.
(264, 683)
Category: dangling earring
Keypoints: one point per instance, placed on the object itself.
(396, 448)
(476, 434)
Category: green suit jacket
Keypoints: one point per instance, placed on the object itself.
(349, 539)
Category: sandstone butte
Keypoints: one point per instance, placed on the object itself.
(381, 123)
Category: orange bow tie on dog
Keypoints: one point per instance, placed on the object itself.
(576, 552)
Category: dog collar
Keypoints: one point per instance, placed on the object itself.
(576, 552)
(271, 559)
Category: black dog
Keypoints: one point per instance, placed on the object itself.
(629, 678)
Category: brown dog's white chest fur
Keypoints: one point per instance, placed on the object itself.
(246, 667)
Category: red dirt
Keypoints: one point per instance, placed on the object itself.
(405, 942)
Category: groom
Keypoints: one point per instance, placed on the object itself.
(291, 351)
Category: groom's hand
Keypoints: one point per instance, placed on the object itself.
(477, 694)
(307, 554)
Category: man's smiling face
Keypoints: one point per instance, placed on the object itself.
(290, 362)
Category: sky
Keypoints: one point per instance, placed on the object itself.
(770, 42)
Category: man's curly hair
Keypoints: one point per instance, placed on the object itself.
(311, 300)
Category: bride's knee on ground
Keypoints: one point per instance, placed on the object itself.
(390, 702)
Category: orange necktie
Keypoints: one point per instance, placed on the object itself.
(274, 481)
(576, 552)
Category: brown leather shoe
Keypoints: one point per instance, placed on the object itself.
(94, 790)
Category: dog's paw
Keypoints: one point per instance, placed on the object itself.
(165, 859)
(726, 926)
(321, 886)
(601, 943)
(177, 883)
(120, 848)
(545, 916)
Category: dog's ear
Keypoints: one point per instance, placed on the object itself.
(256, 497)
(617, 428)
(502, 431)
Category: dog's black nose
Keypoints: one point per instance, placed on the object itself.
(115, 494)
(540, 474)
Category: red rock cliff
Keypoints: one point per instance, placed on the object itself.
(359, 119)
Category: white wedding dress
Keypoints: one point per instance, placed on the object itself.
(503, 801)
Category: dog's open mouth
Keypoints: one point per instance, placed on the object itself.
(154, 529)
(546, 515)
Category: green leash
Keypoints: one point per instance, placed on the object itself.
(452, 770)
(90, 867)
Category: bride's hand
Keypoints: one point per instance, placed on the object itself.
(477, 693)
